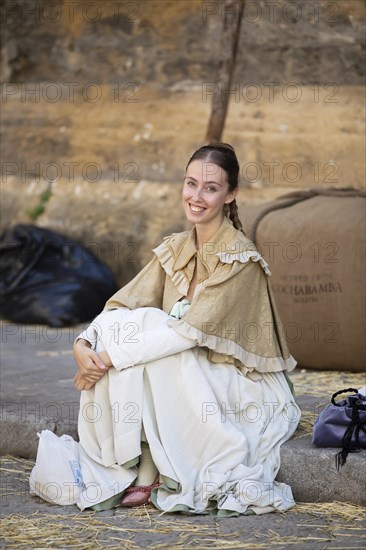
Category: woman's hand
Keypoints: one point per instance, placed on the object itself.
(81, 383)
(91, 368)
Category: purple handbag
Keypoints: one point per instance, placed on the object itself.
(342, 424)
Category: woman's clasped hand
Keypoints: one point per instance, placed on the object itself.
(90, 365)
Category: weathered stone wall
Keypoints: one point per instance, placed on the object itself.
(170, 41)
(103, 102)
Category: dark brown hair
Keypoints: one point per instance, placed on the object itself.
(224, 156)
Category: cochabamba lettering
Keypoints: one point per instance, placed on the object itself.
(307, 289)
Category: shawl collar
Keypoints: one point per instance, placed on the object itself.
(183, 247)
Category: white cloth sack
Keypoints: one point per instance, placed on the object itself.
(64, 474)
(56, 476)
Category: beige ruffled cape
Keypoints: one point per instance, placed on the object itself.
(232, 312)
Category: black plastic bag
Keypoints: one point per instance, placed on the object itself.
(50, 279)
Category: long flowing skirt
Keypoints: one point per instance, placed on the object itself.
(214, 434)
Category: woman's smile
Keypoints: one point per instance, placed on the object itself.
(196, 209)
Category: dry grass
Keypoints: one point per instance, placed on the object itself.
(86, 530)
(306, 424)
(344, 511)
(321, 383)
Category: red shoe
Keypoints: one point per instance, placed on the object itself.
(138, 495)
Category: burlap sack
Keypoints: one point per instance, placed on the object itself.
(314, 242)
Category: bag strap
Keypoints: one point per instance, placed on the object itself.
(339, 393)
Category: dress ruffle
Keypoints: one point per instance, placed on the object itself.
(249, 360)
(166, 260)
(244, 257)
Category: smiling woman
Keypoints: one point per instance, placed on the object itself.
(184, 401)
(204, 200)
(210, 188)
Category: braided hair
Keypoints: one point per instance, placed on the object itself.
(224, 156)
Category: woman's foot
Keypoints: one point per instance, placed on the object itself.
(138, 495)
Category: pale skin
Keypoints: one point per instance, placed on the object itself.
(204, 195)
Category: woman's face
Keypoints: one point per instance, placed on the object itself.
(205, 192)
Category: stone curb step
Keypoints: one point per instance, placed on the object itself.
(310, 471)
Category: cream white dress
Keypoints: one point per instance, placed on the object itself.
(214, 434)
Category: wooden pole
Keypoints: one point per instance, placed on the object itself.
(232, 15)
